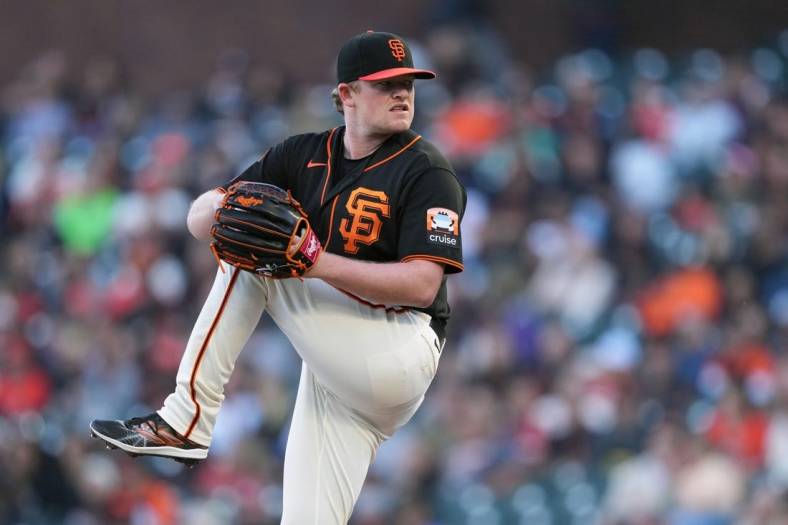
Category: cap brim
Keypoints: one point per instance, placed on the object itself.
(398, 72)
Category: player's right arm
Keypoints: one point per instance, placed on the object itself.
(201, 213)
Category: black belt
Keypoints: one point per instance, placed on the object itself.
(439, 327)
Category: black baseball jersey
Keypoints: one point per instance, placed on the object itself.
(400, 203)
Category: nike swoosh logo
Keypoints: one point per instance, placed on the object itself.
(311, 164)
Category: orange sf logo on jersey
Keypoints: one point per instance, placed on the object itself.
(397, 49)
(366, 208)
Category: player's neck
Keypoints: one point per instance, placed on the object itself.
(359, 145)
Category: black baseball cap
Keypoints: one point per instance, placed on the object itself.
(376, 56)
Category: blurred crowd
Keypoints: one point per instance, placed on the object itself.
(618, 352)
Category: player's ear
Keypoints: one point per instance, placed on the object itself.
(346, 92)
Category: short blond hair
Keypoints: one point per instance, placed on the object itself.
(337, 100)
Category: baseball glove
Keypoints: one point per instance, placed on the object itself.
(262, 229)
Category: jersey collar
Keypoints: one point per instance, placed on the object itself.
(389, 150)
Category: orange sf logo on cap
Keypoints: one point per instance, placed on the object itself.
(397, 49)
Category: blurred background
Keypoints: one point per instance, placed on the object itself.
(618, 352)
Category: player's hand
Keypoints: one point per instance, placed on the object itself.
(262, 229)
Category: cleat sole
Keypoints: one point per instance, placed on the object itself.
(188, 457)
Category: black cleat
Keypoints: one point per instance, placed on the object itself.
(148, 436)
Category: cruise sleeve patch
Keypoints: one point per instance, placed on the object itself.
(443, 226)
(430, 223)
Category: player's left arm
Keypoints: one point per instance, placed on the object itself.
(428, 244)
(413, 283)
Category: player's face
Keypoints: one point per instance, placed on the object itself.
(386, 106)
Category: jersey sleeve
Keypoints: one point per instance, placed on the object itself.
(270, 168)
(430, 224)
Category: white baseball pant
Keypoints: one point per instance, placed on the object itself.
(364, 373)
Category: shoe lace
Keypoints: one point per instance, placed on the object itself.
(152, 421)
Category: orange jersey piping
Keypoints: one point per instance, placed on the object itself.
(411, 143)
(328, 165)
(330, 223)
(433, 258)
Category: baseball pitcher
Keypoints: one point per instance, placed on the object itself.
(345, 238)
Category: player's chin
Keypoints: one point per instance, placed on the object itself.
(400, 123)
